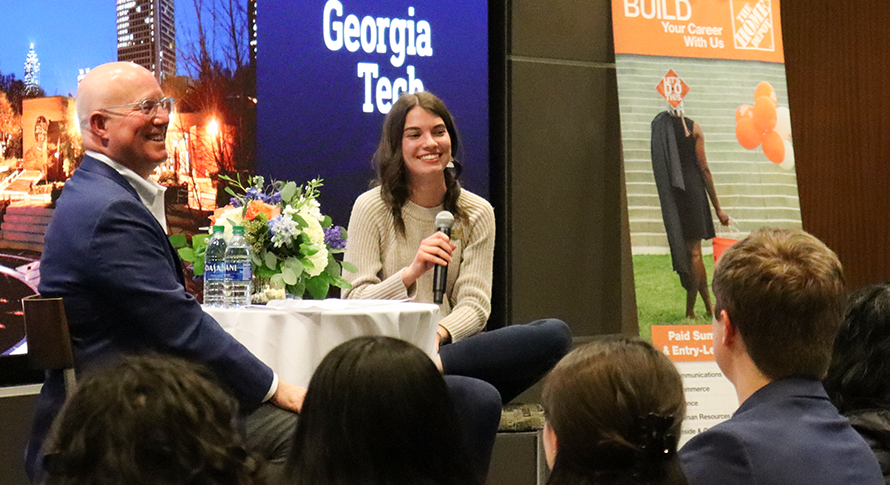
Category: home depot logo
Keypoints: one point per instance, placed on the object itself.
(752, 24)
(672, 88)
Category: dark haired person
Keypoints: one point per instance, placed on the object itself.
(858, 380)
(780, 302)
(685, 183)
(149, 420)
(394, 244)
(613, 411)
(378, 412)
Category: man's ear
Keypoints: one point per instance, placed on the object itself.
(550, 444)
(730, 332)
(98, 124)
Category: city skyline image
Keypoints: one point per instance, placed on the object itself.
(69, 36)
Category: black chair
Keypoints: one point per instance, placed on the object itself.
(49, 342)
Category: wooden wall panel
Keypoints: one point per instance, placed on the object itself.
(836, 58)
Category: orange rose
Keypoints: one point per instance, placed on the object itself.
(256, 207)
(219, 213)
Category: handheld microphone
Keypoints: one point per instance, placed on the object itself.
(444, 221)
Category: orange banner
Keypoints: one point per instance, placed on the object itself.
(713, 29)
(684, 343)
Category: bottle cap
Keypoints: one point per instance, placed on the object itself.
(219, 228)
(238, 230)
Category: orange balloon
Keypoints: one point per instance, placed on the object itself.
(766, 89)
(748, 134)
(744, 111)
(765, 114)
(774, 147)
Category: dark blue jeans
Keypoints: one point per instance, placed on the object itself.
(511, 358)
(478, 408)
(483, 369)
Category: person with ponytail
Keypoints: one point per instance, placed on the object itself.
(613, 410)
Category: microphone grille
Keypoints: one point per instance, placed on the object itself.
(444, 219)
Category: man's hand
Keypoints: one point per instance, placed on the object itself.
(288, 396)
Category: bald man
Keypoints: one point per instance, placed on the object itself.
(106, 254)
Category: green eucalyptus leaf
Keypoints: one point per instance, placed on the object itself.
(264, 272)
(294, 265)
(271, 261)
(288, 191)
(178, 241)
(327, 222)
(289, 276)
(349, 267)
(277, 281)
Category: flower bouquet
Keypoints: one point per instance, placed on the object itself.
(292, 242)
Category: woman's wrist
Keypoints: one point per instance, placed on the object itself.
(408, 277)
(444, 335)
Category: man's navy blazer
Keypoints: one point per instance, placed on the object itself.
(786, 433)
(121, 281)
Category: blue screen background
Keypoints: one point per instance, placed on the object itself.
(310, 121)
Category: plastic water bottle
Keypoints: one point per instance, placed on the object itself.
(238, 272)
(215, 269)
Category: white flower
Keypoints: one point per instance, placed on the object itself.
(313, 209)
(229, 218)
(285, 229)
(315, 233)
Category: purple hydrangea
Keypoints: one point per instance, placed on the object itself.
(235, 201)
(333, 237)
(253, 193)
(272, 198)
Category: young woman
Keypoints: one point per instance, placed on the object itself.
(684, 203)
(378, 413)
(613, 411)
(394, 244)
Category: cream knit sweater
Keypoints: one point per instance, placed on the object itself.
(380, 254)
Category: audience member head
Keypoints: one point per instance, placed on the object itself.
(783, 290)
(121, 115)
(859, 375)
(613, 412)
(378, 413)
(392, 172)
(152, 420)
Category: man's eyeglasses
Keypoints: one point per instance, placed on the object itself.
(148, 107)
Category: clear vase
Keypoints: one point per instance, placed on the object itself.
(262, 291)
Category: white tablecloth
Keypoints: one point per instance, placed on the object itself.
(293, 336)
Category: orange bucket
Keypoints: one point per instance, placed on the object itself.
(721, 244)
